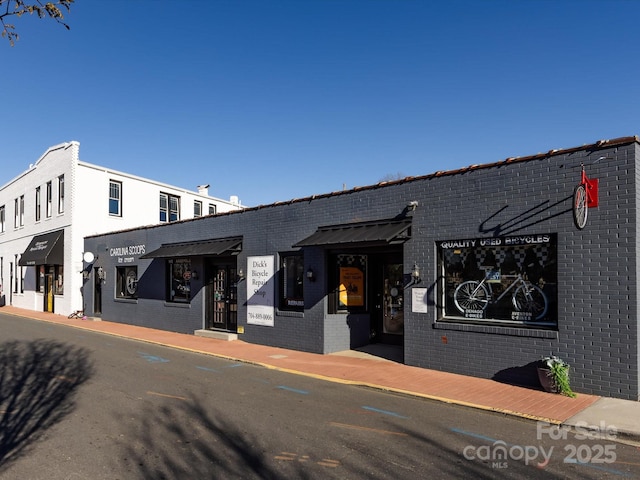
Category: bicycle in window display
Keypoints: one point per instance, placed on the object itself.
(473, 297)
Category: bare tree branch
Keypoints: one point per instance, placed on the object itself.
(18, 8)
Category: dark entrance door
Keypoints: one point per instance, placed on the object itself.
(221, 308)
(97, 291)
(387, 317)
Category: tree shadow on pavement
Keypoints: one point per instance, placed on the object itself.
(38, 383)
(181, 438)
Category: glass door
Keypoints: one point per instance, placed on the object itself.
(392, 299)
(387, 283)
(221, 308)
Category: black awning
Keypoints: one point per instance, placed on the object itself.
(46, 249)
(220, 246)
(381, 232)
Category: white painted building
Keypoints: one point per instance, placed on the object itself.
(46, 211)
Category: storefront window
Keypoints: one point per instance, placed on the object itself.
(56, 278)
(179, 280)
(499, 280)
(127, 282)
(292, 282)
(58, 282)
(349, 275)
(40, 278)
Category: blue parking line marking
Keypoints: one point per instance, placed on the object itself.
(152, 358)
(207, 369)
(235, 365)
(385, 412)
(295, 390)
(261, 380)
(474, 435)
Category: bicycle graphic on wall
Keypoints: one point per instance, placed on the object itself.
(473, 297)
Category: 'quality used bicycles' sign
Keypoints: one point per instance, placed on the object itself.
(510, 278)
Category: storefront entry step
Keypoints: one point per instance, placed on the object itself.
(218, 335)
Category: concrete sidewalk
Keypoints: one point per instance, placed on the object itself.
(587, 411)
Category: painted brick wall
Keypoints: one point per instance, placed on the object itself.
(597, 274)
(598, 320)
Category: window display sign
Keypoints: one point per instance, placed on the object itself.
(351, 287)
(260, 290)
(504, 279)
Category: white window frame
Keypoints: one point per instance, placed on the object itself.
(38, 204)
(174, 208)
(170, 207)
(49, 199)
(61, 194)
(115, 197)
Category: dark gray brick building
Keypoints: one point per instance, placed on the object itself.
(480, 271)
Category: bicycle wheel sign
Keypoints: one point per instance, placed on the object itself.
(505, 279)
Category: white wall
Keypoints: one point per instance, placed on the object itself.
(86, 213)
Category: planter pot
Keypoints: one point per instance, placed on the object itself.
(547, 381)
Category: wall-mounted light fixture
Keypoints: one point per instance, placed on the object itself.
(311, 275)
(415, 273)
(194, 274)
(240, 276)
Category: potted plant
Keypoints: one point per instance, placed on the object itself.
(554, 376)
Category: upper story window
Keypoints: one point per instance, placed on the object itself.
(49, 199)
(197, 208)
(61, 194)
(169, 208)
(38, 203)
(115, 198)
(174, 208)
(2, 218)
(212, 209)
(18, 206)
(164, 207)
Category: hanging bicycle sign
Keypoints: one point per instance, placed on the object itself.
(585, 196)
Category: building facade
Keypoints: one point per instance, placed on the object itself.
(480, 271)
(46, 211)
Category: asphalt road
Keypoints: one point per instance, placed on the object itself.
(81, 405)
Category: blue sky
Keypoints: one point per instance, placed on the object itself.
(272, 100)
